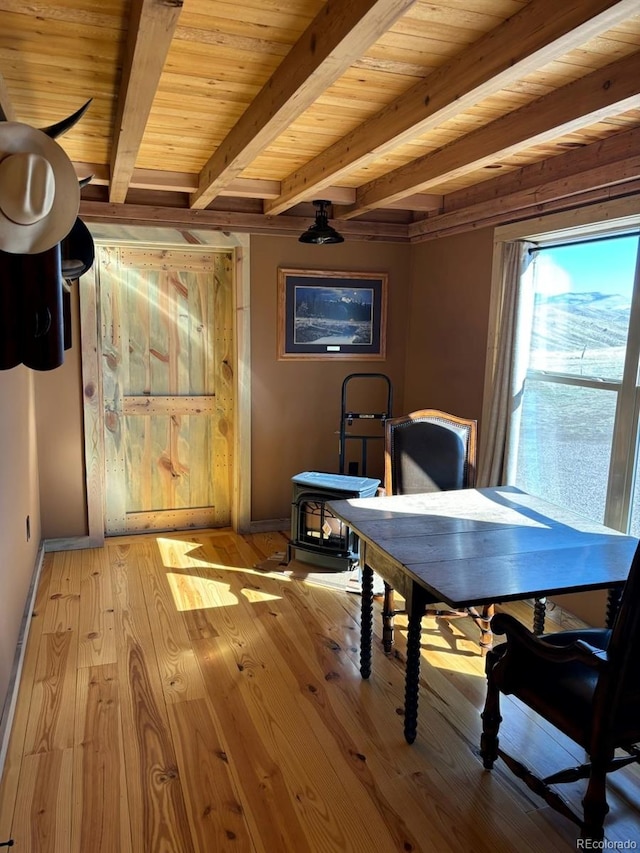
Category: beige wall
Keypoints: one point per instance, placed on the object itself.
(296, 404)
(58, 395)
(447, 323)
(18, 499)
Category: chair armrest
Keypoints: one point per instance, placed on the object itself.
(523, 639)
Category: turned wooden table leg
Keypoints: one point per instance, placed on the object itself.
(486, 635)
(415, 609)
(366, 621)
(539, 612)
(388, 612)
(613, 603)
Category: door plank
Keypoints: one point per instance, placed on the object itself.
(93, 404)
(138, 464)
(137, 296)
(170, 519)
(161, 469)
(163, 259)
(111, 288)
(224, 368)
(158, 332)
(180, 458)
(188, 405)
(181, 282)
(200, 475)
(200, 382)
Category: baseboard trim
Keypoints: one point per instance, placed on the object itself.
(72, 543)
(270, 525)
(9, 709)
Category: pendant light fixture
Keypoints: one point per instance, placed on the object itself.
(321, 231)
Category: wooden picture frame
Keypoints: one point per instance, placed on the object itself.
(328, 315)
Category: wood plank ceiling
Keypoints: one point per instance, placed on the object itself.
(415, 118)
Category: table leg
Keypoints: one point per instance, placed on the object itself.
(613, 604)
(415, 609)
(486, 635)
(366, 620)
(388, 612)
(539, 612)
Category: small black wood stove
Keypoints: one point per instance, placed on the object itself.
(317, 535)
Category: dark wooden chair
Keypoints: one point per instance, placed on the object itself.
(586, 683)
(428, 451)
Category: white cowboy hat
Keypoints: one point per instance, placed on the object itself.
(39, 190)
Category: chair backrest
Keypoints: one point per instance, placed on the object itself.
(616, 711)
(429, 451)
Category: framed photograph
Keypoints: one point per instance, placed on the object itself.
(332, 315)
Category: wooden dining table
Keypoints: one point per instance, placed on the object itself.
(471, 547)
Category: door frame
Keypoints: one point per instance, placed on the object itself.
(115, 235)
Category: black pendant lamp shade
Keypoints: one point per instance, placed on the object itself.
(321, 231)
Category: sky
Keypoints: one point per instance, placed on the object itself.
(606, 266)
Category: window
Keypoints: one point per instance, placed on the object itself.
(576, 427)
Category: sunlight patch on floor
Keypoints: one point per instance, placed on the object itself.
(256, 595)
(191, 592)
(179, 554)
(445, 647)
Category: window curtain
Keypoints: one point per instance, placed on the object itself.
(515, 302)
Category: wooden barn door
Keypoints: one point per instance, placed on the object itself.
(167, 342)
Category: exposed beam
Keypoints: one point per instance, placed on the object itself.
(418, 202)
(574, 164)
(605, 169)
(216, 220)
(338, 35)
(152, 25)
(186, 182)
(7, 113)
(608, 91)
(541, 32)
(445, 227)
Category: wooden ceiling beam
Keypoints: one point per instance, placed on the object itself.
(187, 182)
(610, 152)
(338, 35)
(542, 31)
(487, 218)
(605, 169)
(418, 202)
(608, 91)
(220, 220)
(152, 25)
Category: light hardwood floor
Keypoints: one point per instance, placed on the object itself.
(174, 699)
